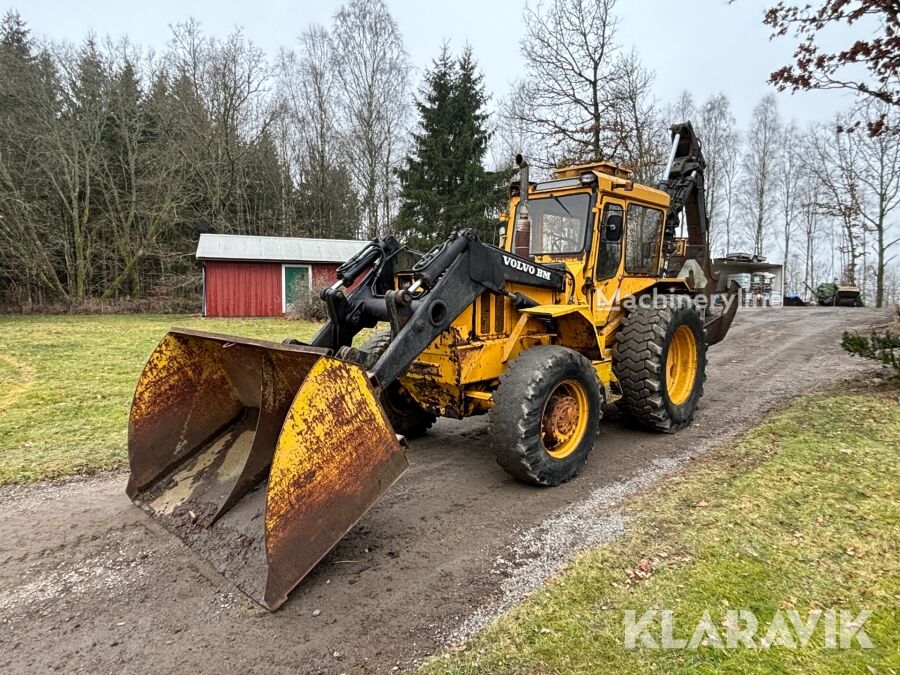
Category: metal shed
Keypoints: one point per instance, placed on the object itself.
(745, 272)
(257, 276)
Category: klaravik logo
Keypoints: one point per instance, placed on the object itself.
(656, 629)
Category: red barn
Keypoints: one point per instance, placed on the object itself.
(256, 276)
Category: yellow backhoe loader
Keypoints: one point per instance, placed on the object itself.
(261, 456)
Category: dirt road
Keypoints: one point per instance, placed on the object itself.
(87, 582)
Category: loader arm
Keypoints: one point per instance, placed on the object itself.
(446, 281)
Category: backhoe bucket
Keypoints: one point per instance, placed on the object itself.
(717, 327)
(214, 416)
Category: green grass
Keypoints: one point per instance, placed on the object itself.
(66, 384)
(803, 512)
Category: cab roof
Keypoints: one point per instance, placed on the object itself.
(609, 178)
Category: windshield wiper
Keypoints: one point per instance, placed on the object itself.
(559, 201)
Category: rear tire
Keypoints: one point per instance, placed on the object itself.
(660, 362)
(406, 416)
(546, 415)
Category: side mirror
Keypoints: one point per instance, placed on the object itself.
(613, 227)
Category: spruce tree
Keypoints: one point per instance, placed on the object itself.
(20, 72)
(444, 185)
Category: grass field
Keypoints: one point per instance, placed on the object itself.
(66, 384)
(802, 513)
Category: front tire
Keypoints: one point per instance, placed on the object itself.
(546, 415)
(405, 414)
(660, 362)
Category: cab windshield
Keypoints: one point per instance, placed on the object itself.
(558, 224)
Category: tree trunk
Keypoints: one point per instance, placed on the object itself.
(879, 273)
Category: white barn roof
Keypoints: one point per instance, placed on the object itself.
(276, 249)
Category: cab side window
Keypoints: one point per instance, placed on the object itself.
(642, 247)
(610, 241)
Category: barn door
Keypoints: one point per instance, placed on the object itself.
(296, 285)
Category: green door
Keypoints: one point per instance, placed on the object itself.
(296, 285)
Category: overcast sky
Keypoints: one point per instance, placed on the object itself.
(705, 46)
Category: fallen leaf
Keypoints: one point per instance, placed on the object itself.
(643, 570)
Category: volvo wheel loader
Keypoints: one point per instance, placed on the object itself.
(261, 456)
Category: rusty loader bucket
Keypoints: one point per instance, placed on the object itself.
(260, 456)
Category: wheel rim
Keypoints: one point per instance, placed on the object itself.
(564, 419)
(681, 365)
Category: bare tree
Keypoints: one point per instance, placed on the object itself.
(788, 184)
(816, 67)
(510, 134)
(892, 286)
(373, 71)
(759, 167)
(565, 100)
(71, 146)
(731, 184)
(112, 161)
(635, 121)
(310, 143)
(683, 109)
(878, 174)
(716, 127)
(809, 224)
(832, 158)
(140, 185)
(226, 109)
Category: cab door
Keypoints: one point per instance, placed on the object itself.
(611, 230)
(606, 253)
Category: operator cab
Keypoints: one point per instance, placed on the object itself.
(560, 211)
(556, 223)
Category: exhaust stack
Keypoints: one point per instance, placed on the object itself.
(522, 236)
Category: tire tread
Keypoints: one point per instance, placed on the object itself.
(638, 365)
(518, 404)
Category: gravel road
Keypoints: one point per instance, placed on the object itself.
(88, 582)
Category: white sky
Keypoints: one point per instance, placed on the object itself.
(705, 46)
